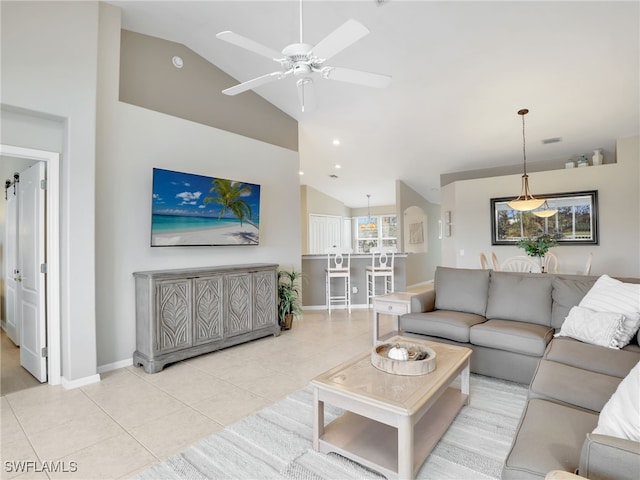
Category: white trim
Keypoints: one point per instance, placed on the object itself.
(52, 160)
(115, 365)
(334, 307)
(80, 382)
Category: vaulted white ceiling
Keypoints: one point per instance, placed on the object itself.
(461, 71)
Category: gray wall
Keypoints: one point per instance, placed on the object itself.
(421, 266)
(618, 185)
(49, 69)
(61, 61)
(149, 79)
(131, 141)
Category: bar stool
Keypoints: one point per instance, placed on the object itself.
(381, 266)
(336, 268)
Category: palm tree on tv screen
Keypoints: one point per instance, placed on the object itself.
(229, 194)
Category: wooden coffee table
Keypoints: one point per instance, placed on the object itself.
(392, 421)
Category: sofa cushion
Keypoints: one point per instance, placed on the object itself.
(567, 293)
(598, 328)
(573, 386)
(462, 290)
(520, 297)
(441, 323)
(620, 416)
(519, 337)
(604, 457)
(550, 437)
(616, 363)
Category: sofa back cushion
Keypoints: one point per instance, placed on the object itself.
(462, 290)
(522, 297)
(567, 293)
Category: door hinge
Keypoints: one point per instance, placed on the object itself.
(43, 268)
(43, 184)
(44, 352)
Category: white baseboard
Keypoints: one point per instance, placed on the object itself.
(127, 362)
(334, 307)
(80, 382)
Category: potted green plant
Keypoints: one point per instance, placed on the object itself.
(538, 246)
(289, 302)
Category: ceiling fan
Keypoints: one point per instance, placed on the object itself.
(305, 61)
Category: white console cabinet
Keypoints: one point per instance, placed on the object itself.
(187, 312)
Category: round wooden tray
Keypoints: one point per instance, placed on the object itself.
(381, 360)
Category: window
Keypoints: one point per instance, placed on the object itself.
(575, 223)
(375, 231)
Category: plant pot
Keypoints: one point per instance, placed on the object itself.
(288, 321)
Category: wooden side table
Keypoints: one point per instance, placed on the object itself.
(396, 303)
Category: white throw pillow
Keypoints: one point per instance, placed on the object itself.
(620, 416)
(611, 295)
(598, 328)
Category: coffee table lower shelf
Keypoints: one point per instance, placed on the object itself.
(375, 445)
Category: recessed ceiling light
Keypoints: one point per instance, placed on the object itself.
(300, 172)
(338, 165)
(336, 141)
(177, 61)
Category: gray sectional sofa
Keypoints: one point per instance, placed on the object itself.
(509, 320)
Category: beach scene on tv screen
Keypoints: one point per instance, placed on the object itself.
(193, 209)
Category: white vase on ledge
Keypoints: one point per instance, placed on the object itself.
(597, 157)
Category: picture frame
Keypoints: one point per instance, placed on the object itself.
(197, 210)
(576, 222)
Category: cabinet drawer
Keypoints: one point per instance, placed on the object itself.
(392, 308)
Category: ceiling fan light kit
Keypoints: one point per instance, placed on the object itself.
(525, 202)
(303, 61)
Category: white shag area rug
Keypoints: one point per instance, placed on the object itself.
(275, 443)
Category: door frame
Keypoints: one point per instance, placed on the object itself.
(52, 192)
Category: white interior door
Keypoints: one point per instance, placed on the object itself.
(11, 291)
(334, 231)
(317, 234)
(31, 258)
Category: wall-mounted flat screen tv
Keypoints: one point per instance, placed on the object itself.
(193, 210)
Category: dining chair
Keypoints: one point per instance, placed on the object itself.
(338, 266)
(521, 264)
(495, 262)
(381, 266)
(587, 267)
(551, 263)
(484, 263)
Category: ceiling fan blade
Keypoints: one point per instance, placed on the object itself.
(306, 94)
(256, 82)
(250, 45)
(348, 33)
(368, 79)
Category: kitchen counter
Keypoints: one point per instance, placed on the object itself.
(313, 284)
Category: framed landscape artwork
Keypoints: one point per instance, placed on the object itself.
(190, 210)
(576, 222)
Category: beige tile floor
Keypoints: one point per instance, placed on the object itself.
(12, 376)
(131, 420)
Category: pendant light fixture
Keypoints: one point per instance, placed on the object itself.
(525, 201)
(545, 212)
(369, 224)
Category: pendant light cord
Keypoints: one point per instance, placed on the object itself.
(523, 112)
(524, 151)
